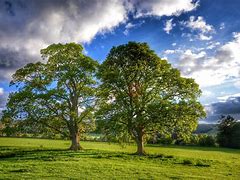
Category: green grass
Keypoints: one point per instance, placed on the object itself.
(48, 159)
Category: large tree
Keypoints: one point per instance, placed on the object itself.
(142, 95)
(58, 93)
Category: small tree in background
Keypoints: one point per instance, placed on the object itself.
(142, 94)
(228, 132)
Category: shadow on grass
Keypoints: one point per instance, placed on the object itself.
(198, 148)
(14, 153)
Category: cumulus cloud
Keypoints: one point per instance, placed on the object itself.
(28, 26)
(209, 70)
(162, 7)
(199, 25)
(169, 26)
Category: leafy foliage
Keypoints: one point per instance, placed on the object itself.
(58, 94)
(206, 140)
(142, 94)
(228, 132)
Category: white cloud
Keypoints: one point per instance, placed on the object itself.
(169, 51)
(41, 23)
(237, 84)
(76, 21)
(127, 27)
(222, 26)
(206, 93)
(199, 25)
(174, 44)
(227, 97)
(204, 37)
(130, 26)
(169, 26)
(163, 7)
(1, 91)
(213, 45)
(209, 70)
(37, 24)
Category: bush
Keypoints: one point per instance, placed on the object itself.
(207, 140)
(194, 140)
(166, 140)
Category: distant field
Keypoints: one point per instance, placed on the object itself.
(22, 158)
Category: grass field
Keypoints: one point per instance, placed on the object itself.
(48, 159)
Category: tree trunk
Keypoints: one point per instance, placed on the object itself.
(74, 130)
(140, 148)
(75, 142)
(140, 143)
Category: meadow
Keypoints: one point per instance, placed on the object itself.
(26, 158)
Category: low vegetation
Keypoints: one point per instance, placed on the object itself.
(23, 158)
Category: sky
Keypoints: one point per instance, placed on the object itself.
(199, 37)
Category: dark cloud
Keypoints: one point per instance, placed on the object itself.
(215, 118)
(28, 26)
(11, 60)
(229, 107)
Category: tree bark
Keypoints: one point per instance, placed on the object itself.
(75, 137)
(74, 131)
(140, 143)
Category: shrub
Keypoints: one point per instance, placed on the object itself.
(194, 140)
(166, 140)
(207, 140)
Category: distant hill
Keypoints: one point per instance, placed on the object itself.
(206, 129)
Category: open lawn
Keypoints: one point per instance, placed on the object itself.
(22, 158)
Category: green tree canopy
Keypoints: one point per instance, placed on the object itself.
(228, 132)
(59, 93)
(142, 94)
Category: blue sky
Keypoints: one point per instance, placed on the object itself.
(199, 37)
